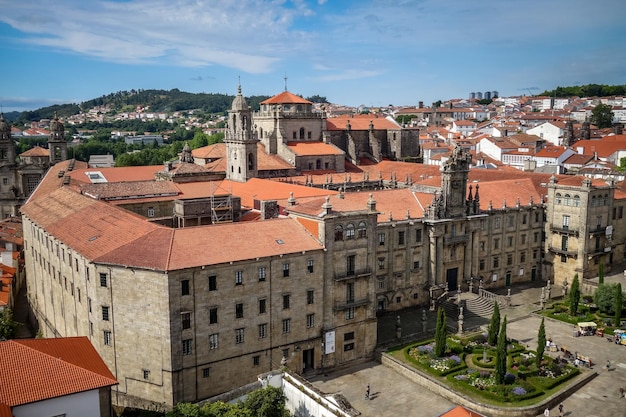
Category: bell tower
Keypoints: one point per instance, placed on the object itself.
(7, 146)
(56, 141)
(241, 142)
(454, 175)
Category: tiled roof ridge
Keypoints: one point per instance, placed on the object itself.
(170, 250)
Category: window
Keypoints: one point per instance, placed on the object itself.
(286, 301)
(239, 310)
(256, 360)
(418, 236)
(89, 303)
(620, 212)
(496, 223)
(535, 253)
(186, 320)
(262, 331)
(564, 243)
(576, 201)
(309, 266)
(150, 212)
(559, 200)
(238, 336)
(496, 243)
(509, 259)
(400, 238)
(285, 269)
(213, 283)
(310, 296)
(567, 200)
(565, 222)
(238, 277)
(348, 346)
(338, 233)
(350, 231)
(350, 292)
(213, 341)
(285, 353)
(522, 257)
(213, 315)
(350, 265)
(381, 283)
(524, 218)
(536, 237)
(184, 287)
(103, 280)
(381, 239)
(206, 372)
(310, 320)
(348, 336)
(416, 264)
(261, 273)
(105, 313)
(381, 263)
(523, 239)
(482, 245)
(187, 347)
(362, 230)
(107, 337)
(146, 373)
(262, 306)
(511, 220)
(537, 217)
(286, 325)
(350, 313)
(496, 262)
(510, 241)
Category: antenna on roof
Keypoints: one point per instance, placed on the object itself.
(285, 81)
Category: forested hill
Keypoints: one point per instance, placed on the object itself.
(589, 90)
(156, 100)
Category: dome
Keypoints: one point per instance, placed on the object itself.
(239, 103)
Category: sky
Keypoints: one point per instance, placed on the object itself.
(365, 52)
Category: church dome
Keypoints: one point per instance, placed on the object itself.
(239, 103)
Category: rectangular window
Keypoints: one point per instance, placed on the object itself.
(285, 353)
(150, 212)
(381, 263)
(564, 243)
(286, 301)
(381, 283)
(400, 238)
(496, 223)
(348, 347)
(509, 259)
(261, 273)
(256, 360)
(418, 236)
(103, 279)
(286, 325)
(184, 287)
(262, 331)
(285, 269)
(620, 212)
(536, 237)
(510, 241)
(350, 313)
(523, 237)
(565, 222)
(213, 315)
(310, 296)
(105, 313)
(206, 372)
(238, 277)
(350, 265)
(107, 338)
(524, 219)
(187, 347)
(482, 245)
(381, 239)
(310, 320)
(496, 262)
(496, 243)
(262, 306)
(522, 257)
(213, 341)
(535, 254)
(350, 292)
(416, 264)
(213, 283)
(309, 266)
(146, 373)
(238, 336)
(239, 311)
(348, 336)
(186, 320)
(511, 220)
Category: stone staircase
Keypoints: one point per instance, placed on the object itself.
(472, 307)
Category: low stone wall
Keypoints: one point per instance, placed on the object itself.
(435, 386)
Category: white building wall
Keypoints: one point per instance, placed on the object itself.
(82, 404)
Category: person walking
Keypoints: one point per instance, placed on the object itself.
(608, 365)
(561, 410)
(546, 413)
(367, 392)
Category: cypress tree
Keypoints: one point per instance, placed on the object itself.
(494, 325)
(440, 333)
(541, 343)
(601, 273)
(501, 354)
(618, 305)
(574, 296)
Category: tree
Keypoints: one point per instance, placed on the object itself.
(494, 325)
(574, 296)
(440, 333)
(8, 327)
(602, 116)
(541, 342)
(266, 402)
(601, 273)
(501, 354)
(619, 301)
(604, 297)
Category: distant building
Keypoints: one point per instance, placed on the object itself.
(144, 140)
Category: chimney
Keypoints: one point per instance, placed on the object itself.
(420, 105)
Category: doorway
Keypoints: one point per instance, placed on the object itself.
(533, 274)
(508, 278)
(451, 278)
(308, 357)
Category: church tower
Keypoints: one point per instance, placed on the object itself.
(56, 141)
(454, 174)
(241, 142)
(7, 146)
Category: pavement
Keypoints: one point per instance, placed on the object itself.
(395, 395)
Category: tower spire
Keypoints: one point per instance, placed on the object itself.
(285, 81)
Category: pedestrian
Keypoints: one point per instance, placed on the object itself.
(621, 392)
(547, 412)
(561, 409)
(367, 392)
(608, 365)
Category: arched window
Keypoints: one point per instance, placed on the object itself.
(338, 232)
(567, 199)
(576, 201)
(362, 230)
(606, 200)
(593, 201)
(558, 198)
(350, 231)
(301, 133)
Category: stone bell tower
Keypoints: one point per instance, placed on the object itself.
(241, 142)
(454, 173)
(56, 141)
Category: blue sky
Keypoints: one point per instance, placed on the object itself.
(371, 52)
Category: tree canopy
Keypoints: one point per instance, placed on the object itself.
(602, 116)
(589, 90)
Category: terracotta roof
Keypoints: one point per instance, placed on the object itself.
(135, 189)
(313, 148)
(578, 159)
(460, 411)
(551, 152)
(38, 369)
(36, 151)
(217, 152)
(360, 122)
(604, 147)
(286, 98)
(117, 174)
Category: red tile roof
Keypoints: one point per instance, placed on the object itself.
(460, 411)
(38, 369)
(360, 122)
(313, 148)
(286, 98)
(36, 151)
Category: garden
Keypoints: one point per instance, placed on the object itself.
(489, 367)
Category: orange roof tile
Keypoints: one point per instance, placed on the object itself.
(286, 98)
(314, 148)
(36, 151)
(30, 365)
(460, 411)
(360, 122)
(118, 174)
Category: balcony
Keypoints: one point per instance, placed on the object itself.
(561, 252)
(599, 251)
(565, 230)
(361, 273)
(456, 239)
(598, 231)
(354, 303)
